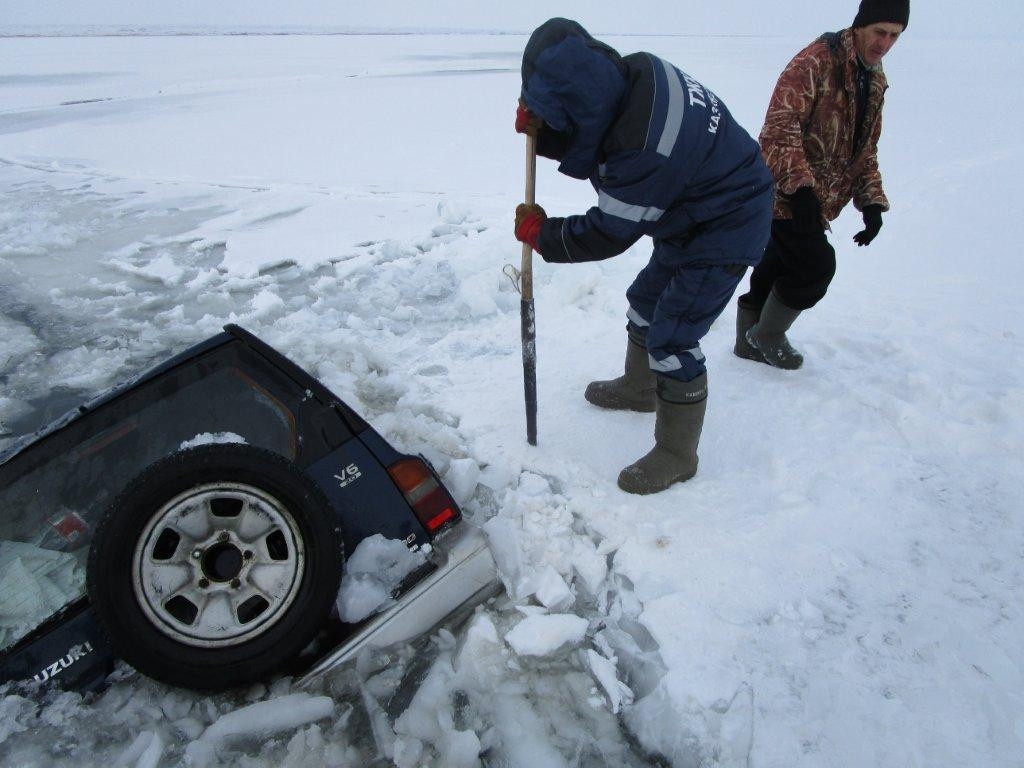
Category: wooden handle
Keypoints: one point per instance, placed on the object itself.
(526, 271)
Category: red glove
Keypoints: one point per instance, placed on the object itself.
(529, 217)
(526, 121)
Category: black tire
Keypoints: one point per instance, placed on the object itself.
(249, 599)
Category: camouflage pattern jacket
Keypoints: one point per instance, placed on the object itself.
(808, 133)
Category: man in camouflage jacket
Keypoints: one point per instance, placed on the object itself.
(820, 140)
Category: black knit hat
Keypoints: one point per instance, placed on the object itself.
(873, 11)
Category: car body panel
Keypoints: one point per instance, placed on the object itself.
(344, 479)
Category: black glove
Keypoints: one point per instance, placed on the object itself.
(872, 223)
(806, 211)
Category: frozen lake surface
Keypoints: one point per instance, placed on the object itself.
(840, 585)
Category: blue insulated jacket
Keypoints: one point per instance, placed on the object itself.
(661, 150)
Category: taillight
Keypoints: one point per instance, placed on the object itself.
(427, 497)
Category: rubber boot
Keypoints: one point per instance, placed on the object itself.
(680, 418)
(634, 390)
(768, 336)
(745, 320)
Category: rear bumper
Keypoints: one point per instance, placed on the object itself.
(465, 576)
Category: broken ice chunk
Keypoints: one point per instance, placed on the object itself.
(552, 591)
(604, 672)
(462, 478)
(543, 635)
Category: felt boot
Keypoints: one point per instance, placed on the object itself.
(680, 417)
(768, 336)
(745, 320)
(634, 390)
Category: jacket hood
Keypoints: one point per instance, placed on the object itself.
(575, 84)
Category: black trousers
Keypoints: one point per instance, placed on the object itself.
(797, 266)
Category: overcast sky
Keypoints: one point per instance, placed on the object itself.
(782, 17)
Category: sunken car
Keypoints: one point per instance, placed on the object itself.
(194, 523)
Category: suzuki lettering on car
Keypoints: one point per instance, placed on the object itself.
(65, 661)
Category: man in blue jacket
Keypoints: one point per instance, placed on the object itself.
(667, 160)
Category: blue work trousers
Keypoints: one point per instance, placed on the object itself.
(676, 299)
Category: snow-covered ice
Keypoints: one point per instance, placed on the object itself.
(840, 584)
